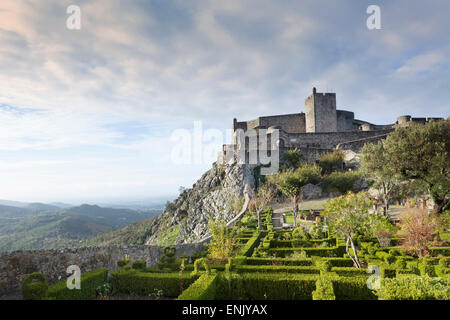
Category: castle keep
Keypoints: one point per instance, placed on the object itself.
(321, 128)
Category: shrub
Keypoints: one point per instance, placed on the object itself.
(341, 181)
(137, 282)
(204, 262)
(322, 264)
(139, 264)
(89, 283)
(251, 244)
(331, 161)
(204, 288)
(300, 233)
(426, 268)
(272, 286)
(400, 263)
(352, 288)
(414, 288)
(349, 271)
(122, 263)
(34, 287)
(444, 262)
(324, 290)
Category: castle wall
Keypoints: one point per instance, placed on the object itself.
(345, 120)
(329, 140)
(291, 123)
(16, 265)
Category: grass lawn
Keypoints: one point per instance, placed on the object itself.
(290, 219)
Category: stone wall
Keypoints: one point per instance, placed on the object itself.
(290, 123)
(329, 140)
(16, 265)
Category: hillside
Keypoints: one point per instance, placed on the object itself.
(39, 226)
(219, 193)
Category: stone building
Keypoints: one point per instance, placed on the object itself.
(321, 128)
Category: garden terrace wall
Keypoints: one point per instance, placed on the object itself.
(16, 265)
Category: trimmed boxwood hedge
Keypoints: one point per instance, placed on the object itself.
(277, 269)
(348, 271)
(137, 282)
(278, 261)
(34, 290)
(271, 286)
(251, 244)
(352, 288)
(202, 289)
(89, 282)
(337, 251)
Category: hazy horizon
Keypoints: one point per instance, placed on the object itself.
(86, 116)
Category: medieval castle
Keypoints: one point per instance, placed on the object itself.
(321, 128)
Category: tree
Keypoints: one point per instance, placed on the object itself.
(331, 161)
(346, 216)
(291, 183)
(422, 152)
(376, 167)
(258, 204)
(419, 227)
(224, 239)
(381, 228)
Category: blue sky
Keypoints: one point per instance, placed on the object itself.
(87, 115)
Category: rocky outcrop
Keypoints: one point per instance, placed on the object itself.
(219, 193)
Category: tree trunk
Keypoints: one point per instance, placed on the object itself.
(348, 252)
(295, 210)
(356, 254)
(259, 219)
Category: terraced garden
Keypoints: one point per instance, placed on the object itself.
(266, 265)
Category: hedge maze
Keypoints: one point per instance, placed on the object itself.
(267, 266)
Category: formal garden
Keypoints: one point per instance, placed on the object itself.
(349, 251)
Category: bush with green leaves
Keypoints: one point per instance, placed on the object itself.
(414, 288)
(341, 181)
(136, 282)
(426, 268)
(89, 282)
(324, 290)
(300, 233)
(315, 232)
(139, 264)
(34, 287)
(204, 288)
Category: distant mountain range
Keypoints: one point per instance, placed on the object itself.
(57, 225)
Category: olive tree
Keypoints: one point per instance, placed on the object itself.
(346, 216)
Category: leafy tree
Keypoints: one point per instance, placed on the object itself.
(291, 183)
(381, 228)
(419, 227)
(376, 167)
(422, 152)
(224, 240)
(346, 216)
(292, 159)
(258, 204)
(331, 161)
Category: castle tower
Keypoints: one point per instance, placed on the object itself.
(320, 112)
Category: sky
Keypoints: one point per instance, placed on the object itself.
(89, 115)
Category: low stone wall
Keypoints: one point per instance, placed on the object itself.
(16, 265)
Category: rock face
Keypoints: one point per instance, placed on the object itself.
(219, 193)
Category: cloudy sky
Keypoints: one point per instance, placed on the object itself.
(87, 115)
